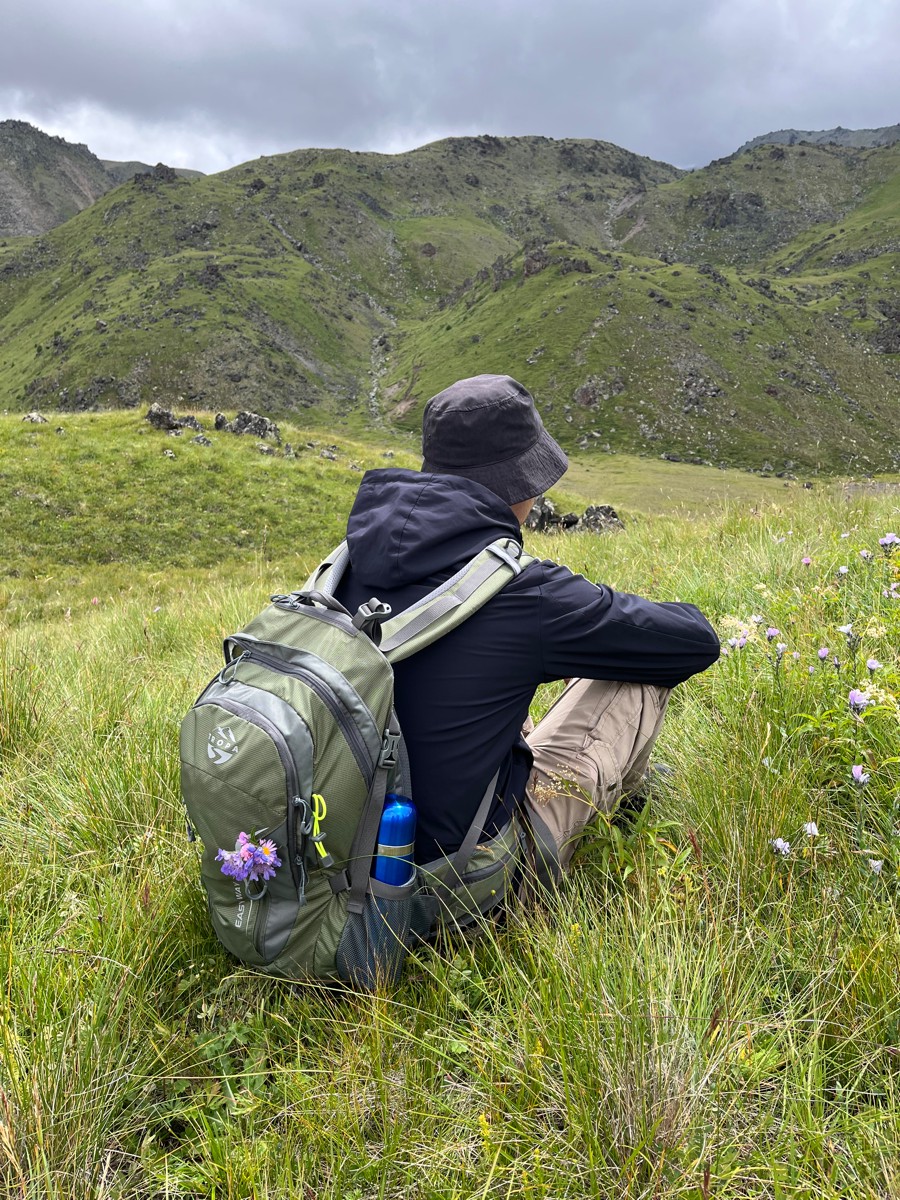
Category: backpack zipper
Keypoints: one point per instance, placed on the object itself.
(329, 698)
(246, 713)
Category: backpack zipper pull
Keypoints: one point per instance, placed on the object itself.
(226, 678)
(302, 825)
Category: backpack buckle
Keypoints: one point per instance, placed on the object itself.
(508, 554)
(389, 748)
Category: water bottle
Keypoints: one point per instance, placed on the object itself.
(396, 839)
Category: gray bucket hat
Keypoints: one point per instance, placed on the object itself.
(487, 428)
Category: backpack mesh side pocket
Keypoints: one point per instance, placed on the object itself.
(375, 942)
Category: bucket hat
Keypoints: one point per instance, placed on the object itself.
(488, 428)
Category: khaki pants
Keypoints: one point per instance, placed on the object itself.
(592, 747)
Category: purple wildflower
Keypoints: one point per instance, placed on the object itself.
(780, 648)
(806, 560)
(772, 633)
(249, 861)
(811, 829)
(845, 629)
(233, 864)
(823, 652)
(858, 700)
(875, 865)
(265, 860)
(780, 847)
(843, 570)
(812, 670)
(796, 656)
(756, 619)
(860, 775)
(741, 643)
(888, 542)
(873, 664)
(865, 555)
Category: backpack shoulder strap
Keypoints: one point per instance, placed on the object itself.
(458, 598)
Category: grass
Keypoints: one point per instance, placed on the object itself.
(692, 1015)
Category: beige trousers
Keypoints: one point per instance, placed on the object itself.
(592, 747)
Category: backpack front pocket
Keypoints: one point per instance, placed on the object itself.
(241, 773)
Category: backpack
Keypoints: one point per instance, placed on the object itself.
(287, 755)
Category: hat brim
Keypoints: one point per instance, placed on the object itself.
(524, 477)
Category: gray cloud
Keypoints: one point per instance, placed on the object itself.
(203, 84)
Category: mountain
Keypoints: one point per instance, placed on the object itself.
(887, 135)
(46, 180)
(742, 314)
(121, 172)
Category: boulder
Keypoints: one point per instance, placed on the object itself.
(543, 515)
(35, 418)
(165, 419)
(161, 418)
(255, 425)
(601, 518)
(200, 440)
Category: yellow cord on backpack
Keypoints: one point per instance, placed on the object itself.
(318, 837)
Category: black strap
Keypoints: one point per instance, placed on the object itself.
(470, 841)
(445, 888)
(360, 865)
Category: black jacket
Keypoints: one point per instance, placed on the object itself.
(462, 701)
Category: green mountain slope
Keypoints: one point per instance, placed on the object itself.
(634, 354)
(739, 209)
(741, 314)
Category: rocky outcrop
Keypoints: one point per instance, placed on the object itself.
(166, 421)
(249, 423)
(597, 518)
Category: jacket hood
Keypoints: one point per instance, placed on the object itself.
(407, 525)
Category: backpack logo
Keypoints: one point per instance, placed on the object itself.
(221, 745)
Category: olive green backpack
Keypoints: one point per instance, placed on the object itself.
(286, 757)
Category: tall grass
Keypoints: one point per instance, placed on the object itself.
(692, 1015)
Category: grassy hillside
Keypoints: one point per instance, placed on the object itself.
(95, 502)
(358, 284)
(693, 1014)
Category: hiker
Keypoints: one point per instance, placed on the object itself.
(463, 701)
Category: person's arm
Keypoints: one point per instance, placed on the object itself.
(592, 632)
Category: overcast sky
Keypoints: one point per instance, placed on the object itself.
(206, 84)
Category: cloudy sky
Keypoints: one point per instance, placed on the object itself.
(208, 84)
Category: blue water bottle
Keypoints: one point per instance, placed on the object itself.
(396, 841)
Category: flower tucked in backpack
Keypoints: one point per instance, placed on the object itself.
(249, 861)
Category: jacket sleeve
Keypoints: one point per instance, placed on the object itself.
(590, 631)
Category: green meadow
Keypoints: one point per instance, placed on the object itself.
(707, 1007)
